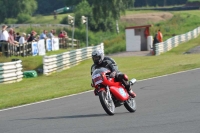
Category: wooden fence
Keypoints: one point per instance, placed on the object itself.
(25, 49)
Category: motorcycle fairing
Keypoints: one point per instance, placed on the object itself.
(119, 92)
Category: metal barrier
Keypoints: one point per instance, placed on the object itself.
(11, 72)
(175, 41)
(66, 60)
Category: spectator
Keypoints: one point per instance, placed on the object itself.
(65, 33)
(54, 32)
(32, 36)
(17, 37)
(50, 35)
(37, 38)
(157, 39)
(4, 35)
(55, 14)
(22, 39)
(159, 36)
(61, 35)
(11, 37)
(43, 35)
(28, 36)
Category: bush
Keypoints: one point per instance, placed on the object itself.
(23, 18)
(64, 20)
(10, 21)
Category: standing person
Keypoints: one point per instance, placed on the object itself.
(61, 35)
(43, 35)
(27, 37)
(22, 39)
(11, 39)
(50, 35)
(65, 33)
(107, 62)
(32, 36)
(155, 40)
(4, 36)
(159, 36)
(17, 37)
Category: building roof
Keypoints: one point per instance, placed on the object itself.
(138, 27)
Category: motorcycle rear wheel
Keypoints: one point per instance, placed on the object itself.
(108, 105)
(130, 105)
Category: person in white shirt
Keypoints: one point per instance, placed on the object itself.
(4, 34)
(22, 39)
(3, 37)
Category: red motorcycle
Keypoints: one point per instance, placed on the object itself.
(111, 93)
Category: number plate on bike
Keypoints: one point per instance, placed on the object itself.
(97, 79)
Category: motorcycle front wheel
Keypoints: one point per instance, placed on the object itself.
(107, 104)
(130, 105)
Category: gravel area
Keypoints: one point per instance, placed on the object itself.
(195, 50)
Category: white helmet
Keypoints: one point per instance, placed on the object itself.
(97, 56)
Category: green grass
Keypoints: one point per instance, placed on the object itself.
(193, 0)
(38, 19)
(77, 79)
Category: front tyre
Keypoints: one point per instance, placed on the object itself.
(108, 105)
(130, 104)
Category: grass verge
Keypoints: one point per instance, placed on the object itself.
(77, 79)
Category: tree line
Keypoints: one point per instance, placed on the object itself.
(101, 13)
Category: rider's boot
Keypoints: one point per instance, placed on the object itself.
(130, 91)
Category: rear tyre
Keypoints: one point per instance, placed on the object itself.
(130, 104)
(108, 105)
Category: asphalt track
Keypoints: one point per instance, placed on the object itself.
(168, 104)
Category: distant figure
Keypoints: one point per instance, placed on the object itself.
(4, 36)
(17, 37)
(43, 35)
(55, 14)
(32, 36)
(11, 39)
(157, 39)
(50, 35)
(61, 35)
(22, 39)
(159, 36)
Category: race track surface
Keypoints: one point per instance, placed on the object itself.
(168, 104)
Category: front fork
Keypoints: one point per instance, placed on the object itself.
(108, 96)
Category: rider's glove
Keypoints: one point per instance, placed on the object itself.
(113, 74)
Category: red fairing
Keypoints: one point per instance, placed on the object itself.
(116, 88)
(119, 92)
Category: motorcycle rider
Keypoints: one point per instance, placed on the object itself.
(107, 62)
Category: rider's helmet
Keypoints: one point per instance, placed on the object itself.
(97, 56)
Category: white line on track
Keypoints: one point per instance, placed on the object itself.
(87, 92)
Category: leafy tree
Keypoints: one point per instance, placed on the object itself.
(82, 9)
(12, 8)
(109, 8)
(48, 6)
